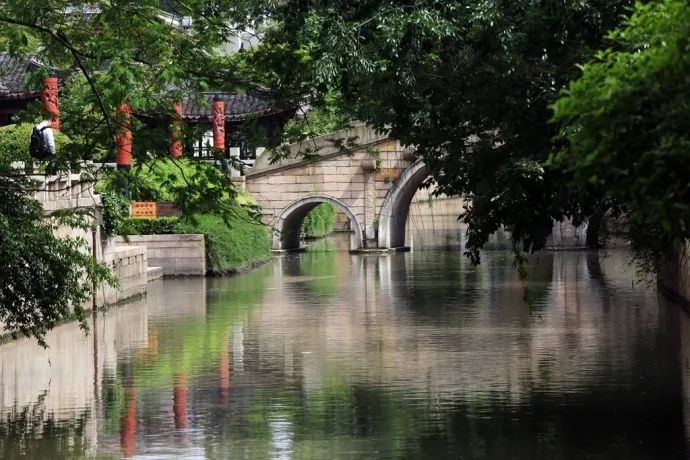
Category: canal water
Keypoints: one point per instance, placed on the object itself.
(327, 355)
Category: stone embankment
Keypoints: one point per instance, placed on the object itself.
(135, 262)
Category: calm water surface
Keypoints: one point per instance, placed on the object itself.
(330, 355)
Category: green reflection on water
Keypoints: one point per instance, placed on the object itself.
(191, 344)
(320, 264)
(424, 356)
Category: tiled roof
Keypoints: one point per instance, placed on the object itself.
(238, 106)
(15, 72)
(14, 75)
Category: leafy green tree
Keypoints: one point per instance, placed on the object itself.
(626, 125)
(108, 53)
(45, 278)
(469, 83)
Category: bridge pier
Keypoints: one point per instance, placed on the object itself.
(369, 171)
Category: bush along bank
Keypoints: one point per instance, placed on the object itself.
(231, 247)
(319, 222)
(235, 239)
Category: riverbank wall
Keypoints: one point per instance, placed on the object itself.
(176, 255)
(674, 277)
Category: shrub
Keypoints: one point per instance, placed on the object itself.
(319, 222)
(234, 246)
(159, 226)
(115, 213)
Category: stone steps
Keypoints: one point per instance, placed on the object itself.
(154, 273)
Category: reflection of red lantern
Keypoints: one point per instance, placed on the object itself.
(175, 141)
(180, 402)
(124, 137)
(128, 435)
(50, 100)
(218, 123)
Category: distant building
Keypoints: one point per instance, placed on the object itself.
(14, 92)
(253, 107)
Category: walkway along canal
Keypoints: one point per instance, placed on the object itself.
(326, 354)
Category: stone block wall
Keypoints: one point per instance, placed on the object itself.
(349, 178)
(177, 255)
(129, 265)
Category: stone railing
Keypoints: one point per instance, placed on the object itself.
(65, 191)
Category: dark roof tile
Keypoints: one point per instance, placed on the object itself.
(14, 75)
(238, 106)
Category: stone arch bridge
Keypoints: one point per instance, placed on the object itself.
(372, 183)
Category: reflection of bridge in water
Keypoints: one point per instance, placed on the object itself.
(388, 308)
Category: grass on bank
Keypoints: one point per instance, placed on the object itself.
(235, 239)
(230, 248)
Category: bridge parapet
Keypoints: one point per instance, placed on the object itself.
(316, 149)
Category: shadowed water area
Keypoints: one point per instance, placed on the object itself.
(330, 355)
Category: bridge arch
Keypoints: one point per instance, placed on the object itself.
(396, 206)
(288, 226)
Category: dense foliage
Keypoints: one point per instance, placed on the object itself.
(319, 222)
(626, 123)
(45, 278)
(469, 84)
(233, 245)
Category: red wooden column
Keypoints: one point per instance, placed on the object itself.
(51, 101)
(123, 140)
(218, 122)
(175, 138)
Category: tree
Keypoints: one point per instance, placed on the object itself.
(108, 53)
(45, 278)
(626, 125)
(469, 84)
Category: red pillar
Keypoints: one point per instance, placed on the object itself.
(175, 141)
(180, 402)
(218, 122)
(124, 137)
(50, 100)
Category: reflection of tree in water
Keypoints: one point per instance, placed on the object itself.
(314, 271)
(344, 417)
(113, 401)
(33, 432)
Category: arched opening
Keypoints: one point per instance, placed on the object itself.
(396, 207)
(288, 226)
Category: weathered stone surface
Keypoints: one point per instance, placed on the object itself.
(177, 255)
(344, 178)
